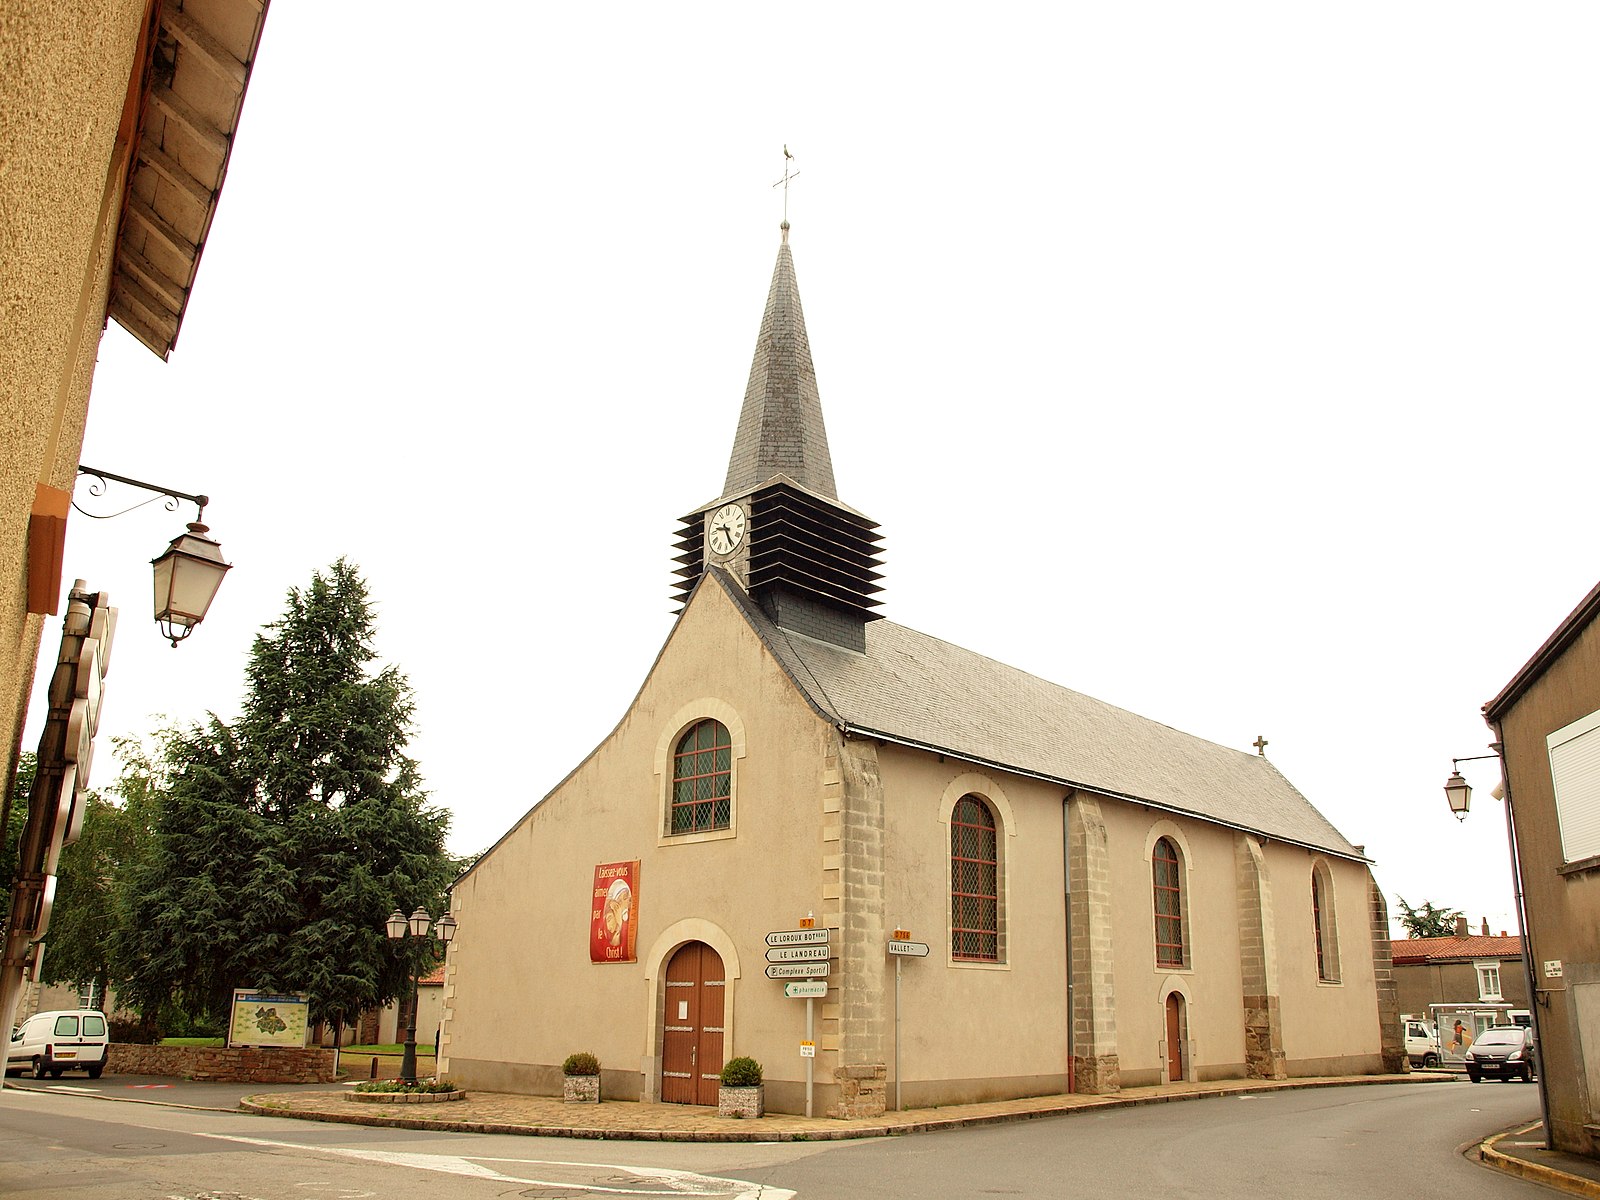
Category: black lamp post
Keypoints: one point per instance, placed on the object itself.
(398, 927)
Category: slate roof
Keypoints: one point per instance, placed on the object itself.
(915, 689)
(1447, 949)
(780, 424)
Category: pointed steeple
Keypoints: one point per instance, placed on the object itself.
(779, 529)
(780, 426)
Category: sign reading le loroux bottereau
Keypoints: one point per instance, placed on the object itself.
(614, 913)
(268, 1018)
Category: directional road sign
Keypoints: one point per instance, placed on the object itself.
(811, 989)
(797, 954)
(913, 949)
(798, 937)
(796, 970)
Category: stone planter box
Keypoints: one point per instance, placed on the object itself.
(580, 1089)
(741, 1101)
(404, 1097)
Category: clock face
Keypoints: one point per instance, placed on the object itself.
(726, 529)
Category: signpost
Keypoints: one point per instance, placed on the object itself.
(901, 947)
(802, 954)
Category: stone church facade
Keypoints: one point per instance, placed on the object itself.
(1106, 901)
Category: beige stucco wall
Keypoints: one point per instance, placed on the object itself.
(64, 73)
(520, 991)
(1328, 1028)
(1562, 899)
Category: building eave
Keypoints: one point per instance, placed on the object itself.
(194, 76)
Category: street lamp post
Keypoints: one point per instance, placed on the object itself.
(1459, 795)
(399, 927)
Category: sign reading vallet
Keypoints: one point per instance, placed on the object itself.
(912, 949)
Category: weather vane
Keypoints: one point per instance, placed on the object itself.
(787, 175)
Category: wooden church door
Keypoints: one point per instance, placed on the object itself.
(1174, 1037)
(691, 1032)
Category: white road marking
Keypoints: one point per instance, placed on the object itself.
(676, 1183)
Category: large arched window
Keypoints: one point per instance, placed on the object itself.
(1167, 880)
(974, 883)
(1324, 925)
(702, 779)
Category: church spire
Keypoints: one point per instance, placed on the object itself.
(779, 530)
(780, 426)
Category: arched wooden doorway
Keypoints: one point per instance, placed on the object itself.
(1175, 1023)
(691, 1027)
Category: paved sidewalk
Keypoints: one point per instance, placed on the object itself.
(1521, 1152)
(549, 1116)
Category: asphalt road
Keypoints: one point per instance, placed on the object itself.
(1324, 1144)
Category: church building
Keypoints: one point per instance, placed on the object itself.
(889, 869)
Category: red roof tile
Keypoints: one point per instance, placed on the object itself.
(1472, 946)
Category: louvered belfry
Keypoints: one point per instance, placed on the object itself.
(810, 561)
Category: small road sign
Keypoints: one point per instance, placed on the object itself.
(811, 989)
(911, 949)
(797, 954)
(800, 970)
(808, 1049)
(798, 937)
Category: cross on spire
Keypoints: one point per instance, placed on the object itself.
(1260, 744)
(787, 175)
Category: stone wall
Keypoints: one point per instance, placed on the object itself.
(244, 1065)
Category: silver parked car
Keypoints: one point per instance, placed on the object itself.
(1504, 1051)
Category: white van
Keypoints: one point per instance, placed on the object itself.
(49, 1043)
(1422, 1042)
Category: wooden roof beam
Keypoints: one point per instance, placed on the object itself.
(136, 266)
(170, 169)
(146, 216)
(180, 110)
(199, 42)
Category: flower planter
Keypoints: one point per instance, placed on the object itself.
(739, 1102)
(404, 1097)
(580, 1089)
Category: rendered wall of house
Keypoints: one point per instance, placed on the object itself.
(1562, 903)
(1422, 984)
(64, 75)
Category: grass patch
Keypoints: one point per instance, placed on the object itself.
(394, 1048)
(206, 1042)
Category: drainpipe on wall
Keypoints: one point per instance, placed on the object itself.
(1499, 748)
(1066, 888)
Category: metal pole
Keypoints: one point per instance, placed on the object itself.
(408, 1062)
(897, 959)
(811, 1062)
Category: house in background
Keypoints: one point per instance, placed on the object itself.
(1546, 722)
(1477, 978)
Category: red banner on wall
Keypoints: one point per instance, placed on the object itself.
(614, 913)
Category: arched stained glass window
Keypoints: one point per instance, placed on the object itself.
(974, 883)
(702, 778)
(1167, 879)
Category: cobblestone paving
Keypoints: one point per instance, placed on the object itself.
(549, 1116)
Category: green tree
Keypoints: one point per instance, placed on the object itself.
(16, 816)
(1427, 919)
(281, 841)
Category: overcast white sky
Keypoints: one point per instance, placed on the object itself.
(1245, 351)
